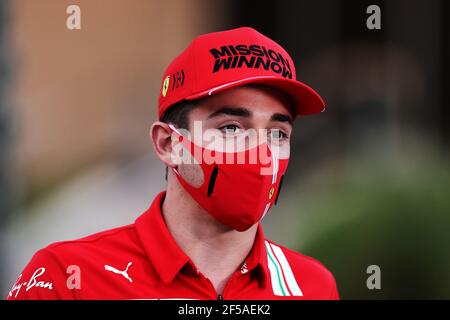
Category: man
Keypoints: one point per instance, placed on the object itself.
(226, 110)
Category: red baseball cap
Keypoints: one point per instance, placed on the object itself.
(218, 61)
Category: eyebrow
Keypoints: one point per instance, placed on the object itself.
(245, 113)
(282, 118)
(232, 111)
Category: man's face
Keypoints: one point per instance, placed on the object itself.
(232, 114)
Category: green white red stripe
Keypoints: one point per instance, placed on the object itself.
(281, 275)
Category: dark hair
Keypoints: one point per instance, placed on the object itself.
(178, 114)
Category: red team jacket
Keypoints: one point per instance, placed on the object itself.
(143, 261)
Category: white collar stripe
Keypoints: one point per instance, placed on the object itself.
(287, 271)
(279, 286)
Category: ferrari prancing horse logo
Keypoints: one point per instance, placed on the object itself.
(272, 190)
(165, 86)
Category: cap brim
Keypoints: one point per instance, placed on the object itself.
(306, 100)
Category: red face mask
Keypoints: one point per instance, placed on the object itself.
(236, 193)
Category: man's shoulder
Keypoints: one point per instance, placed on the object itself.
(310, 272)
(116, 238)
(46, 273)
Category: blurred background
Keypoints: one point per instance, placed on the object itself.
(368, 182)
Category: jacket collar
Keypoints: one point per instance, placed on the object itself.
(168, 258)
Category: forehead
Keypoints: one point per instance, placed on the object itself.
(258, 99)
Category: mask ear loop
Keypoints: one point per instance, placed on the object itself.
(171, 126)
(174, 129)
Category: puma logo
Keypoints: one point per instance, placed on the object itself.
(124, 273)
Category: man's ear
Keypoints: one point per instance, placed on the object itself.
(160, 134)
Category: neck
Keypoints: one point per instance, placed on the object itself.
(216, 250)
